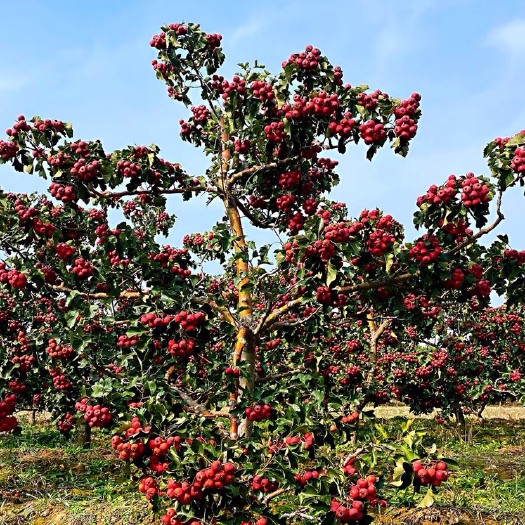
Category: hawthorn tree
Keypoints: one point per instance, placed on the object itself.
(235, 383)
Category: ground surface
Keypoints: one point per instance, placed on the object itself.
(45, 480)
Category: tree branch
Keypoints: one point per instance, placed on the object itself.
(159, 191)
(267, 321)
(274, 494)
(255, 169)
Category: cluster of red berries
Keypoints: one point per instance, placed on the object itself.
(409, 106)
(440, 195)
(427, 250)
(476, 270)
(324, 104)
(379, 241)
(64, 251)
(242, 146)
(262, 90)
(158, 41)
(94, 415)
(349, 468)
(201, 114)
(127, 341)
(427, 310)
(126, 449)
(372, 132)
(60, 381)
(128, 169)
(295, 223)
(518, 161)
(289, 179)
(56, 351)
(65, 425)
(170, 518)
(474, 192)
(325, 295)
(116, 260)
(17, 387)
(515, 376)
(233, 372)
(81, 148)
(432, 474)
(163, 68)
(455, 280)
(62, 193)
(310, 206)
(297, 110)
(364, 489)
(149, 487)
(186, 129)
(308, 59)
(214, 40)
(189, 322)
(258, 412)
(343, 127)
(351, 512)
(307, 439)
(182, 348)
(82, 268)
(20, 125)
(216, 477)
(481, 288)
(405, 128)
(153, 321)
(275, 131)
(8, 150)
(370, 101)
(85, 171)
(285, 202)
(325, 249)
(14, 278)
(178, 29)
(350, 418)
(7, 406)
(305, 477)
(264, 484)
(24, 361)
(341, 231)
(43, 228)
(24, 213)
(457, 229)
(515, 254)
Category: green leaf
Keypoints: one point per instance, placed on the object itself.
(331, 274)
(427, 501)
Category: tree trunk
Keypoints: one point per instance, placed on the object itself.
(84, 434)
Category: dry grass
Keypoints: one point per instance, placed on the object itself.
(512, 413)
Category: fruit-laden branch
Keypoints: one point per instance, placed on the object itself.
(227, 316)
(127, 294)
(399, 279)
(157, 191)
(256, 169)
(266, 322)
(482, 231)
(250, 216)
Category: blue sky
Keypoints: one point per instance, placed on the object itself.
(89, 63)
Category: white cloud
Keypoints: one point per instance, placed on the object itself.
(509, 38)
